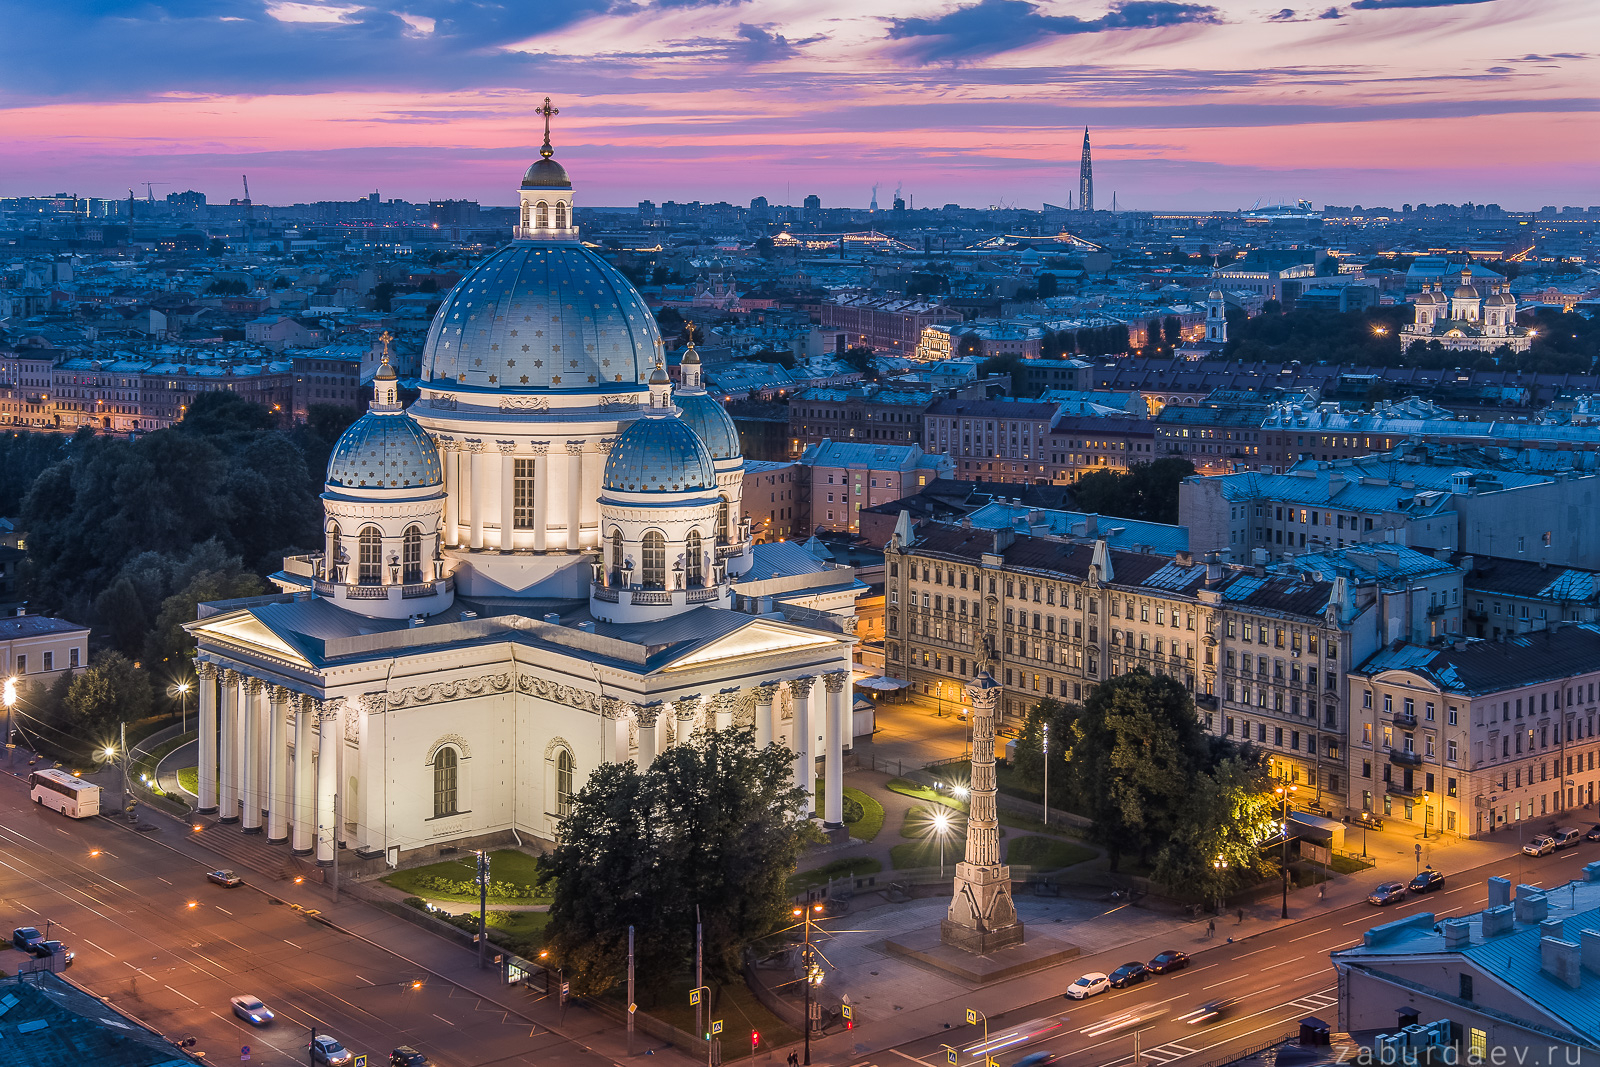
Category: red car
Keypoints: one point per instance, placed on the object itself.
(1170, 960)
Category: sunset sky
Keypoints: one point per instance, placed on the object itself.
(1191, 105)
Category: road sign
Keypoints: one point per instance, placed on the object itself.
(972, 1017)
(716, 1026)
(244, 1053)
(694, 997)
(847, 1011)
(361, 1060)
(632, 1008)
(950, 1056)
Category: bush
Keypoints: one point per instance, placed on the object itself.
(468, 887)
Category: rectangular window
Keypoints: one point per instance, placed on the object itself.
(72, 658)
(22, 664)
(522, 494)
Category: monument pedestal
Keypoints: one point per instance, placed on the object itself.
(982, 964)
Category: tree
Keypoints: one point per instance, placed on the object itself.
(1147, 491)
(1328, 267)
(713, 824)
(1010, 364)
(383, 296)
(1133, 753)
(1216, 847)
(109, 691)
(168, 642)
(1172, 329)
(224, 412)
(1152, 335)
(1049, 285)
(226, 287)
(1028, 758)
(764, 247)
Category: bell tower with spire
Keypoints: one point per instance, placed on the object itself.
(545, 198)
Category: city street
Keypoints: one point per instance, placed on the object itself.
(1278, 977)
(154, 937)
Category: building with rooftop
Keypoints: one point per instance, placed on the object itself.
(1467, 320)
(772, 498)
(842, 477)
(1514, 596)
(46, 1021)
(1517, 981)
(870, 413)
(884, 324)
(1422, 497)
(39, 648)
(1476, 736)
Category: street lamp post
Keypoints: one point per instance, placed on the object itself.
(1426, 816)
(1285, 792)
(181, 691)
(10, 698)
(1047, 774)
(807, 975)
(1219, 865)
(483, 910)
(941, 826)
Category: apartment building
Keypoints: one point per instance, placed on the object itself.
(1477, 736)
(840, 478)
(1266, 654)
(884, 324)
(38, 648)
(1422, 497)
(992, 440)
(1514, 596)
(771, 488)
(1081, 443)
(865, 413)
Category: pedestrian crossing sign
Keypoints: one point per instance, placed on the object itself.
(972, 1017)
(694, 997)
(361, 1060)
(846, 1010)
(716, 1026)
(950, 1056)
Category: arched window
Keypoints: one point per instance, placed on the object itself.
(563, 783)
(411, 555)
(655, 561)
(527, 209)
(694, 570)
(616, 557)
(541, 215)
(445, 794)
(724, 534)
(561, 214)
(370, 563)
(335, 546)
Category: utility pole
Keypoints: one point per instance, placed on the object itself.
(631, 1003)
(699, 964)
(483, 910)
(122, 768)
(10, 698)
(1047, 774)
(336, 848)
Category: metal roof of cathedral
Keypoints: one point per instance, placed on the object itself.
(540, 317)
(385, 449)
(711, 423)
(660, 455)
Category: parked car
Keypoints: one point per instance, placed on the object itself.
(326, 1050)
(1387, 893)
(225, 877)
(406, 1056)
(1128, 974)
(1170, 960)
(45, 949)
(25, 937)
(1209, 1012)
(1567, 837)
(252, 1011)
(1426, 881)
(1542, 845)
(1593, 834)
(1087, 986)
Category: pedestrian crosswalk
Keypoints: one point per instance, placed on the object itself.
(1316, 1001)
(1172, 1050)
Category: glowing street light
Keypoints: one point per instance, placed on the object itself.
(941, 827)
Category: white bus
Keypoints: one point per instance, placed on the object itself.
(71, 796)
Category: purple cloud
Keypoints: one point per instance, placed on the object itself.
(991, 27)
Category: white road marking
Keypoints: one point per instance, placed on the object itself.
(185, 996)
(1292, 940)
(291, 944)
(224, 911)
(910, 1057)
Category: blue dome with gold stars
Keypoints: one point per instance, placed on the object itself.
(384, 450)
(660, 455)
(541, 317)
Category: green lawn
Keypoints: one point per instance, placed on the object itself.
(734, 1004)
(908, 788)
(925, 853)
(144, 768)
(863, 816)
(1046, 853)
(1343, 864)
(506, 865)
(842, 868)
(189, 778)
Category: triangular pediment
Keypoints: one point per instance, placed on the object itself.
(241, 629)
(761, 637)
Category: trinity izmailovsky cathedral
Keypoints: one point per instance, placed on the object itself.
(538, 567)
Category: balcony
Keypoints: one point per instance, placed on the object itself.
(1401, 757)
(1406, 719)
(1400, 789)
(1437, 609)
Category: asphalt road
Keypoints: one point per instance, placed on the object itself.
(1277, 979)
(162, 943)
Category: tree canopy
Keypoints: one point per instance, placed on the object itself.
(714, 825)
(1147, 491)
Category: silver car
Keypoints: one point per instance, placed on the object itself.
(252, 1011)
(327, 1050)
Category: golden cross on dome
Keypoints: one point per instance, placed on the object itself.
(385, 337)
(547, 111)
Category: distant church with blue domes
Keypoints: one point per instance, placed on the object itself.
(540, 566)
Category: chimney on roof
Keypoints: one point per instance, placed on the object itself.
(1560, 960)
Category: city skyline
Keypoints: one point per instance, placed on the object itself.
(1210, 106)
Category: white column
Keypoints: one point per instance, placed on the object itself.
(206, 675)
(833, 784)
(228, 771)
(722, 710)
(254, 697)
(684, 708)
(508, 468)
(574, 493)
(327, 778)
(278, 798)
(344, 765)
(649, 743)
(305, 777)
(614, 723)
(805, 762)
(475, 465)
(448, 451)
(764, 730)
(369, 822)
(541, 494)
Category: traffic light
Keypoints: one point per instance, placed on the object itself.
(755, 1039)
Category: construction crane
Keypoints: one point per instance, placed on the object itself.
(149, 190)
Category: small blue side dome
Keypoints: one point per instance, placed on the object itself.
(657, 455)
(385, 450)
(711, 423)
